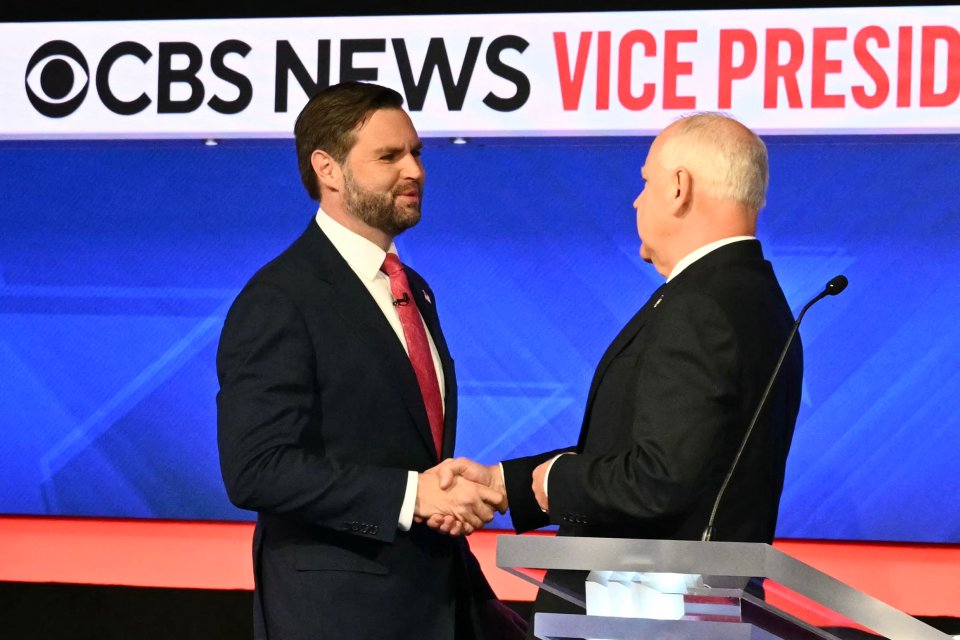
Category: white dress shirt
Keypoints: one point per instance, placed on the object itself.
(365, 259)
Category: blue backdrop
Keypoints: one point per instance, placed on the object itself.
(118, 261)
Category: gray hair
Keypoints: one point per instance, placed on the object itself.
(725, 158)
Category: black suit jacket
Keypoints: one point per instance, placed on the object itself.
(320, 417)
(668, 406)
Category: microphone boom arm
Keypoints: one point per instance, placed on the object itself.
(835, 286)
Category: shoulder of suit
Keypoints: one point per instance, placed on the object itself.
(415, 278)
(729, 266)
(288, 269)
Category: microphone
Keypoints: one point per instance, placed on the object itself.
(403, 301)
(834, 287)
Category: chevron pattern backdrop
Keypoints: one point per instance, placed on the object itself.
(119, 259)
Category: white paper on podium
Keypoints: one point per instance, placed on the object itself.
(632, 594)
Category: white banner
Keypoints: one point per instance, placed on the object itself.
(886, 70)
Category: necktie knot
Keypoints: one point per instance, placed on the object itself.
(391, 265)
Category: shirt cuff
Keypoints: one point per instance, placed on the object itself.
(546, 476)
(409, 501)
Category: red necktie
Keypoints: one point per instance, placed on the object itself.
(417, 346)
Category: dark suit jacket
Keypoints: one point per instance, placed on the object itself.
(668, 406)
(320, 418)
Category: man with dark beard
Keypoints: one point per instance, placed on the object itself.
(337, 393)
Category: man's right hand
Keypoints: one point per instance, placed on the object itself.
(452, 469)
(489, 476)
(459, 503)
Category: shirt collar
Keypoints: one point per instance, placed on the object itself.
(363, 256)
(695, 255)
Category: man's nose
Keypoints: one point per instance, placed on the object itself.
(412, 168)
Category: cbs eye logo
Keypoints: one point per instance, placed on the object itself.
(57, 79)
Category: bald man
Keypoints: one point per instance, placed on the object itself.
(673, 394)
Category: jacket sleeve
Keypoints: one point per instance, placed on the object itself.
(685, 386)
(525, 512)
(266, 366)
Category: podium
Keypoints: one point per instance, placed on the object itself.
(709, 591)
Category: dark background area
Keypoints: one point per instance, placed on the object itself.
(123, 613)
(26, 10)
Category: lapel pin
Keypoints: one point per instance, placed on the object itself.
(658, 301)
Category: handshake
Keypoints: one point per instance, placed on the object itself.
(459, 496)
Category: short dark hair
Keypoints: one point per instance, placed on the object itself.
(328, 121)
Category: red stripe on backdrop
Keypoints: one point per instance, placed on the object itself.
(142, 553)
(918, 579)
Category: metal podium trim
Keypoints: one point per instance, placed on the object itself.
(565, 625)
(737, 559)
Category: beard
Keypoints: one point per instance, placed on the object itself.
(380, 210)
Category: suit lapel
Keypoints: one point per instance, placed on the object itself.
(741, 252)
(352, 301)
(625, 337)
